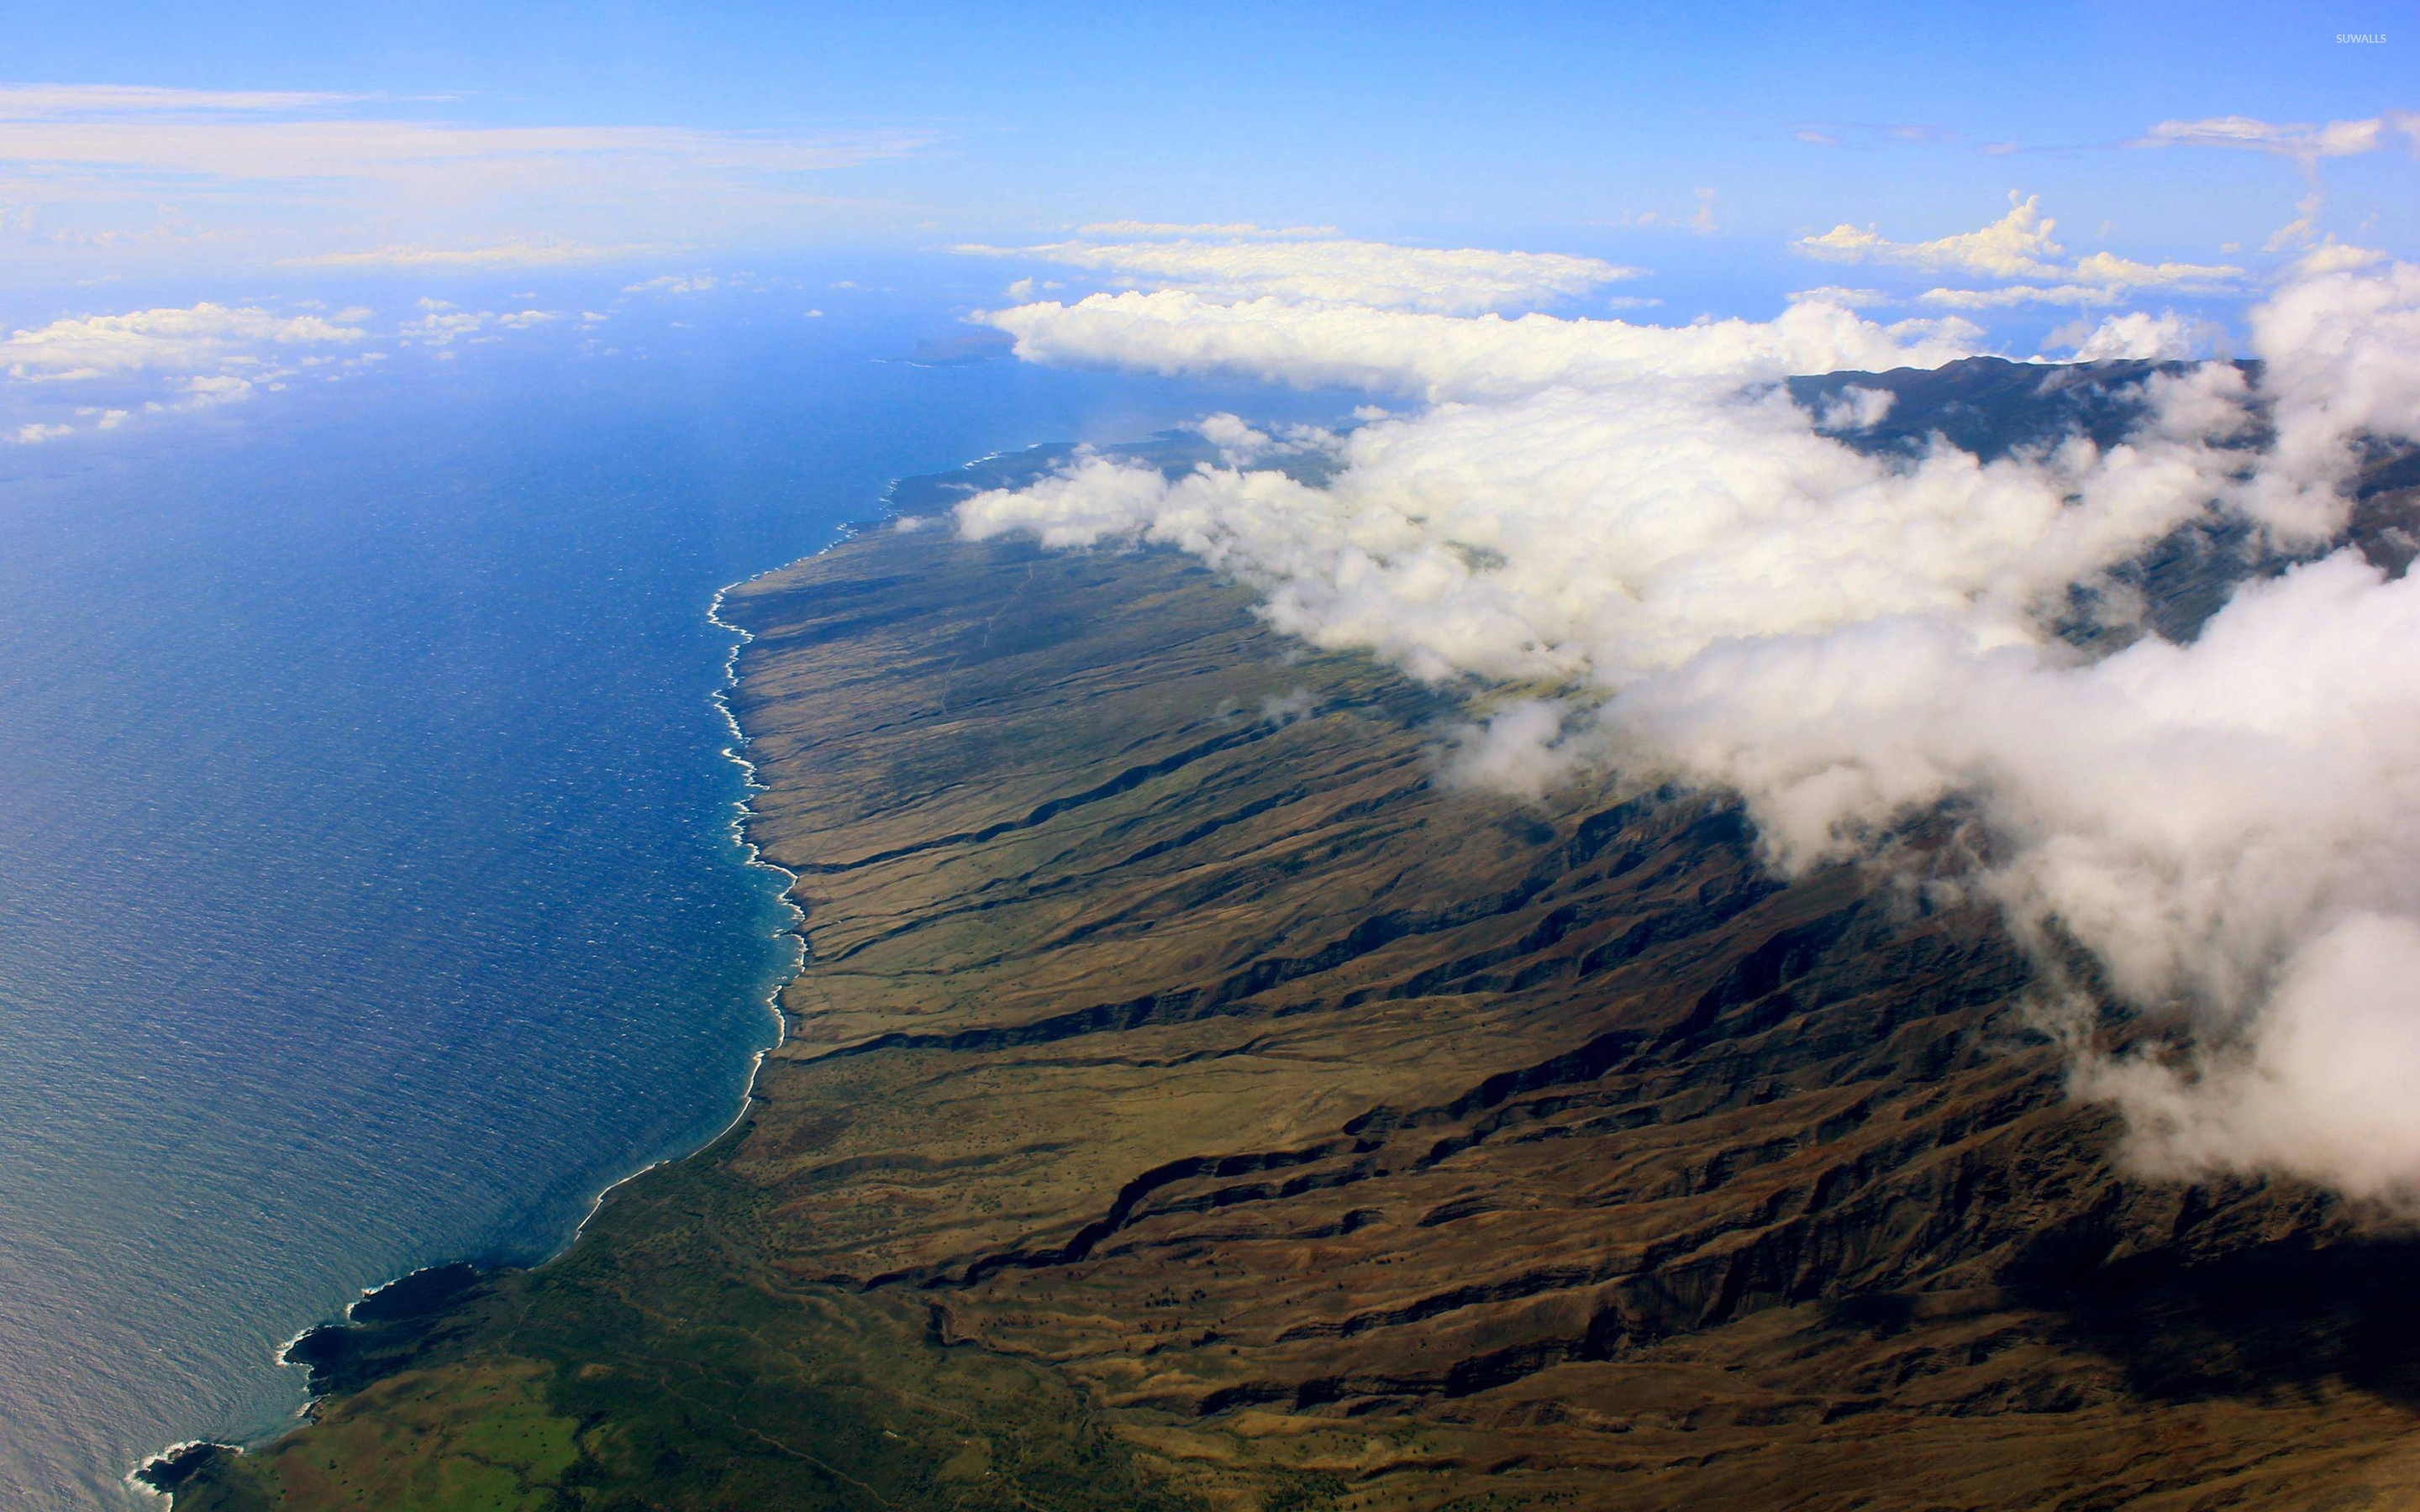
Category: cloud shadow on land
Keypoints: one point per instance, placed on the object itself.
(2273, 1319)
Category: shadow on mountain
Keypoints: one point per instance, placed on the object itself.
(2274, 1319)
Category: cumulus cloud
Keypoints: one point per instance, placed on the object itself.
(439, 324)
(2342, 346)
(96, 371)
(2165, 337)
(2017, 245)
(2021, 244)
(1336, 271)
(1689, 578)
(1241, 444)
(193, 337)
(203, 392)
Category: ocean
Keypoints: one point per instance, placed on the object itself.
(369, 896)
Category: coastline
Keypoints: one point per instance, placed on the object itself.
(1115, 1156)
(157, 1477)
(1116, 1160)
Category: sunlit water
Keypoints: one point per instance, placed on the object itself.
(367, 892)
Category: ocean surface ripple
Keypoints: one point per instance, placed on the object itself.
(371, 890)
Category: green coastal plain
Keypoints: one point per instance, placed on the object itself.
(1193, 1101)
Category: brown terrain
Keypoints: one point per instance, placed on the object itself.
(1192, 1100)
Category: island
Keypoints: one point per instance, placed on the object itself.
(1190, 1101)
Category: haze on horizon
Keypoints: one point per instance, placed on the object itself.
(1559, 264)
(1775, 195)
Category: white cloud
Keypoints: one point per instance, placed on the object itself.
(2017, 245)
(2111, 271)
(2322, 1089)
(2008, 294)
(197, 335)
(175, 359)
(442, 325)
(2208, 819)
(2303, 227)
(213, 388)
(2336, 257)
(2243, 133)
(2167, 337)
(1241, 444)
(1847, 299)
(1518, 749)
(1856, 408)
(1639, 524)
(1446, 356)
(2342, 347)
(2020, 245)
(1708, 589)
(673, 284)
(1371, 275)
(32, 432)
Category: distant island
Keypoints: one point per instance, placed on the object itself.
(1190, 1101)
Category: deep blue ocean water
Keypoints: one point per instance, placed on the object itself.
(367, 893)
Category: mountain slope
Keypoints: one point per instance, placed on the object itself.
(1191, 1100)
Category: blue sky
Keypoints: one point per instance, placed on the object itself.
(1538, 125)
(199, 206)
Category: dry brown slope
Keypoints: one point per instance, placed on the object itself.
(1311, 1113)
(1191, 1102)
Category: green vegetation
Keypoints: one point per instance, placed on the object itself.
(663, 1364)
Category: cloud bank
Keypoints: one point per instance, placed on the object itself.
(1245, 262)
(1667, 569)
